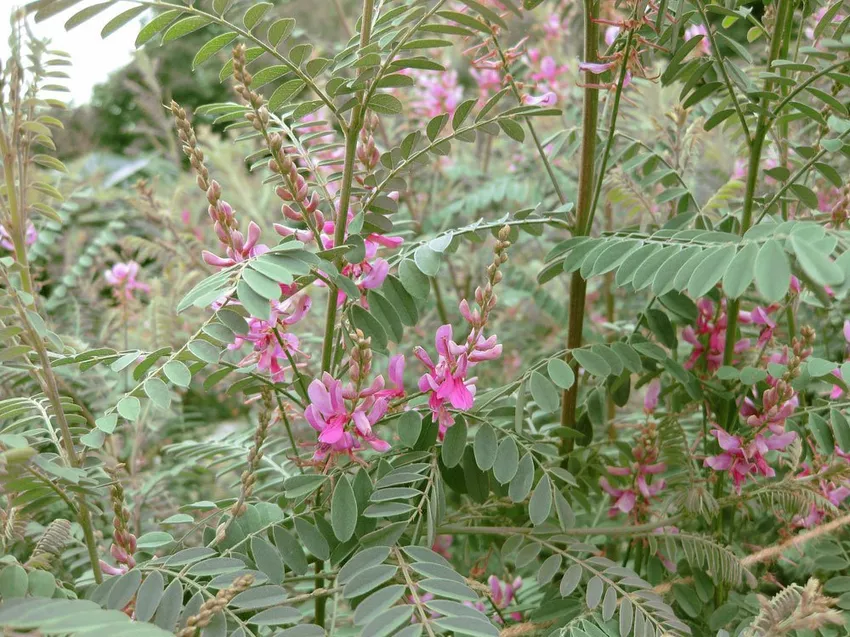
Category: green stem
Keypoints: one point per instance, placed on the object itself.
(578, 286)
(756, 147)
(352, 131)
(612, 129)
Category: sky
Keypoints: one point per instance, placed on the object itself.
(93, 58)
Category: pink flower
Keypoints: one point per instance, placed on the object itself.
(447, 381)
(624, 499)
(696, 30)
(554, 28)
(442, 544)
(817, 16)
(639, 490)
(371, 272)
(489, 81)
(611, 34)
(708, 337)
(650, 400)
(761, 316)
(741, 459)
(122, 278)
(345, 416)
(270, 339)
(502, 594)
(30, 236)
(435, 92)
(547, 99)
(836, 494)
(596, 68)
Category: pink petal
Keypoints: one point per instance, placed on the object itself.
(332, 433)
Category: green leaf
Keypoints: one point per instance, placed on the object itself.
(409, 428)
(570, 580)
(507, 460)
(261, 284)
(413, 280)
(301, 485)
(312, 539)
(268, 559)
(773, 272)
(454, 443)
(593, 363)
(819, 367)
(290, 549)
(521, 484)
(13, 582)
(594, 592)
(362, 560)
(370, 326)
(255, 304)
(566, 516)
(687, 599)
(485, 447)
(822, 434)
(427, 260)
(284, 93)
(280, 30)
(156, 25)
(129, 408)
(255, 13)
(120, 20)
(561, 373)
(815, 263)
(512, 129)
(841, 429)
(86, 14)
(368, 579)
(212, 47)
(184, 27)
(343, 510)
(158, 392)
(385, 104)
(540, 504)
(177, 373)
(710, 271)
(740, 272)
(544, 392)
(805, 195)
(41, 583)
(467, 625)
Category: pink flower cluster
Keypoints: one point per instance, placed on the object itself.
(344, 415)
(447, 382)
(237, 246)
(6, 239)
(122, 278)
(502, 594)
(761, 316)
(836, 494)
(122, 549)
(709, 336)
(637, 495)
(435, 92)
(741, 459)
(270, 340)
(695, 30)
(369, 273)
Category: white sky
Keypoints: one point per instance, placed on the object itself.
(92, 57)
